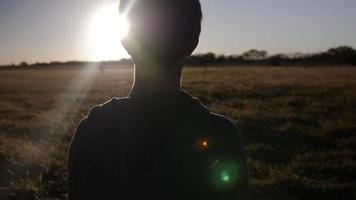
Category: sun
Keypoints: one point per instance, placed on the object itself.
(107, 28)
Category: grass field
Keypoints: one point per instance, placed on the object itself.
(298, 124)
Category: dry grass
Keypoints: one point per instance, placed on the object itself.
(298, 125)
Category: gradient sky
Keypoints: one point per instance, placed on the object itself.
(56, 30)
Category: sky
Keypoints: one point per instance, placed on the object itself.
(62, 30)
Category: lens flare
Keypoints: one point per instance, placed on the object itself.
(224, 174)
(204, 143)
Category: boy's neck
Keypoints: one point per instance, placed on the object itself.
(154, 80)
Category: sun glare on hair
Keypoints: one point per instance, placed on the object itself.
(107, 28)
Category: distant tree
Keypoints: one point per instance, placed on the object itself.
(255, 54)
(276, 60)
(263, 54)
(342, 50)
(23, 64)
(221, 58)
(342, 54)
(232, 58)
(209, 57)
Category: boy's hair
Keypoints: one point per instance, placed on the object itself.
(166, 30)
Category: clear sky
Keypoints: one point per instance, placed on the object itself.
(60, 30)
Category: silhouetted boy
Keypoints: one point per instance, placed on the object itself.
(160, 142)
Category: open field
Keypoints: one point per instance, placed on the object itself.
(298, 124)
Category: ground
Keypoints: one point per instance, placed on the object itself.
(298, 124)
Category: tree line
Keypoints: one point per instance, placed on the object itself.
(342, 55)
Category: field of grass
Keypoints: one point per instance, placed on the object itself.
(298, 124)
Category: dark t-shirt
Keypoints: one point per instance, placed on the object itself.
(156, 147)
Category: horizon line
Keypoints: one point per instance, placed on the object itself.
(195, 54)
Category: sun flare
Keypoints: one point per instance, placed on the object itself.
(107, 28)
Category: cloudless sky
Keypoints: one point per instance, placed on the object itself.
(56, 30)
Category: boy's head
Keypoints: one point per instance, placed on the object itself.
(164, 30)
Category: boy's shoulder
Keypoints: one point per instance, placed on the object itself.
(107, 109)
(222, 122)
(103, 114)
(214, 122)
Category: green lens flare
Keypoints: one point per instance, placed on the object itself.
(225, 177)
(224, 174)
